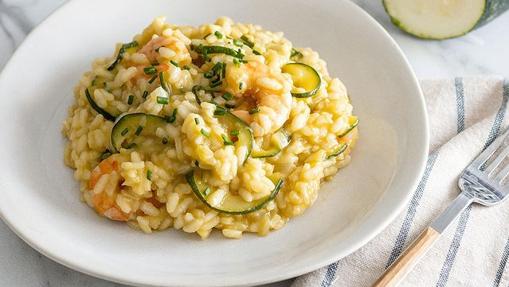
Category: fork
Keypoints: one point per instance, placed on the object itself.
(481, 183)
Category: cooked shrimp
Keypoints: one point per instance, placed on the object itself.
(103, 198)
(168, 48)
(270, 91)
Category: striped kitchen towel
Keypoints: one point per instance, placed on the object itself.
(465, 115)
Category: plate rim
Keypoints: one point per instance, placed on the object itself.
(422, 156)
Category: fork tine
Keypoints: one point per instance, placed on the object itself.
(501, 175)
(498, 160)
(489, 151)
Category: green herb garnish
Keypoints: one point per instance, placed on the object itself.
(150, 70)
(174, 63)
(234, 133)
(226, 140)
(238, 43)
(218, 34)
(171, 119)
(162, 100)
(246, 41)
(204, 132)
(197, 121)
(164, 84)
(124, 132)
(227, 96)
(149, 174)
(138, 130)
(216, 84)
(154, 77)
(145, 94)
(205, 50)
(220, 111)
(130, 99)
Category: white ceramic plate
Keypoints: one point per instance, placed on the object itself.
(40, 200)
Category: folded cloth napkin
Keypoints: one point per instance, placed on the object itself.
(465, 115)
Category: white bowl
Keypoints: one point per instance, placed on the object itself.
(40, 200)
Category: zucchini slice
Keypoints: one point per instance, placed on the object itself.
(129, 127)
(107, 115)
(226, 202)
(341, 147)
(337, 150)
(439, 19)
(304, 77)
(238, 130)
(354, 122)
(279, 140)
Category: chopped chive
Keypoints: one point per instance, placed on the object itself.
(238, 43)
(246, 41)
(164, 85)
(204, 132)
(138, 130)
(149, 174)
(150, 70)
(145, 94)
(295, 53)
(227, 96)
(226, 140)
(197, 121)
(216, 84)
(205, 37)
(218, 34)
(105, 155)
(162, 100)
(217, 67)
(229, 105)
(130, 100)
(241, 85)
(186, 67)
(223, 71)
(197, 163)
(236, 62)
(220, 111)
(154, 77)
(216, 79)
(121, 53)
(234, 133)
(254, 110)
(165, 140)
(124, 132)
(256, 52)
(206, 50)
(209, 74)
(129, 146)
(170, 119)
(174, 63)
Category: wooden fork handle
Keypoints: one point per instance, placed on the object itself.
(408, 259)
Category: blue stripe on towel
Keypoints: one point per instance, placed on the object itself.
(501, 266)
(460, 229)
(412, 209)
(460, 103)
(330, 274)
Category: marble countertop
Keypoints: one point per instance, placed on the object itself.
(481, 52)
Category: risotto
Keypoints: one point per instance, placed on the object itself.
(223, 126)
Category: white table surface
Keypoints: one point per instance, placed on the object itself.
(482, 52)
